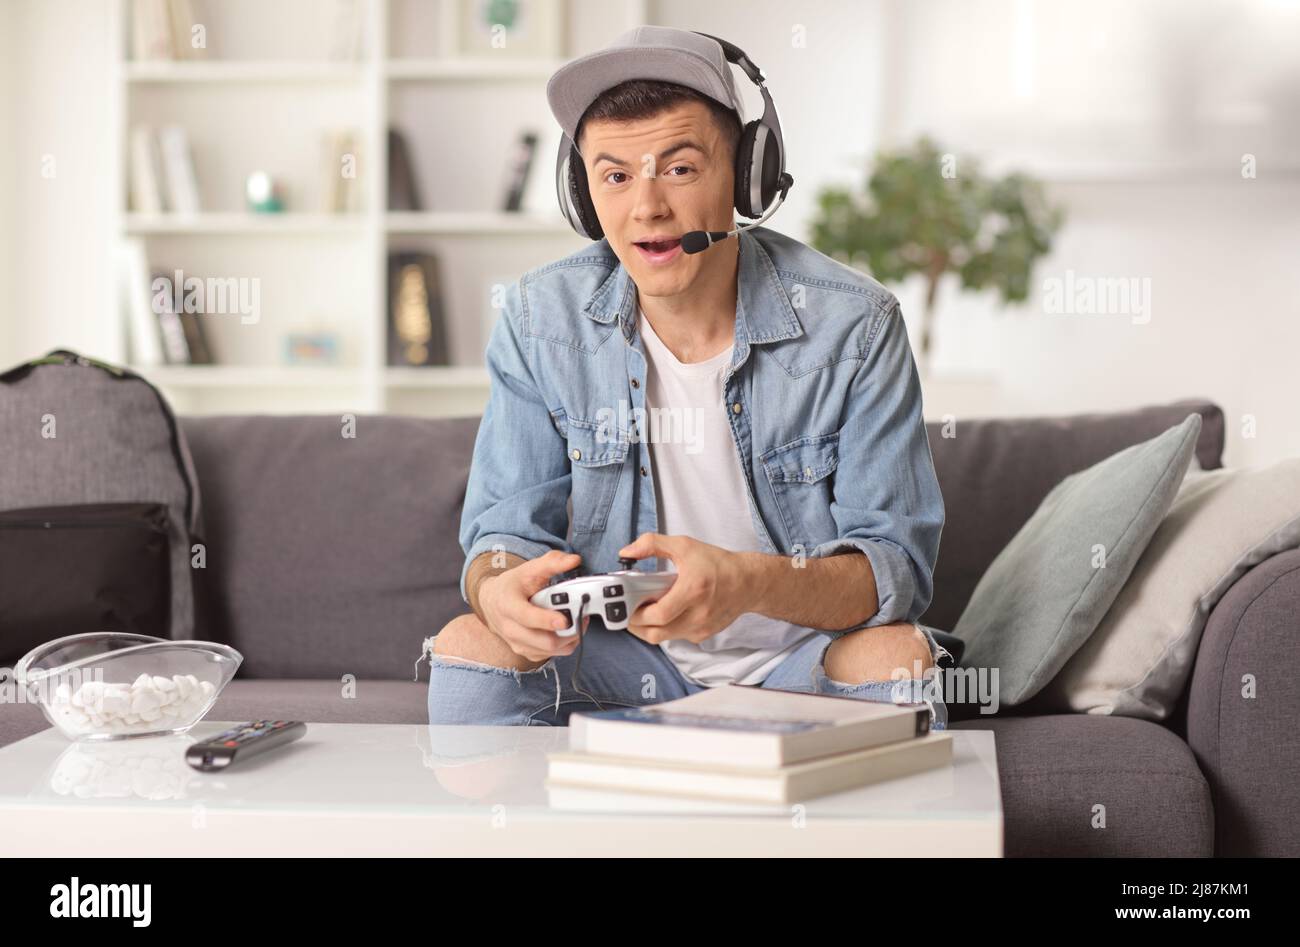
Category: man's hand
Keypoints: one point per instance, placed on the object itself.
(529, 630)
(705, 599)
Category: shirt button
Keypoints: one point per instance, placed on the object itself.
(644, 472)
(575, 454)
(807, 472)
(735, 408)
(635, 383)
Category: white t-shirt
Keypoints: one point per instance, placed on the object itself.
(701, 492)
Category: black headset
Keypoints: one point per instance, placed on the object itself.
(760, 161)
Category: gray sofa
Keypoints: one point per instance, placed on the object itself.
(332, 556)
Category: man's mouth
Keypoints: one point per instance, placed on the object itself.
(659, 251)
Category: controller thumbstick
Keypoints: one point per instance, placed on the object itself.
(626, 562)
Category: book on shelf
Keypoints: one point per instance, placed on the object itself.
(346, 31)
(341, 184)
(179, 321)
(417, 333)
(166, 29)
(403, 189)
(517, 171)
(144, 341)
(749, 743)
(181, 183)
(163, 302)
(539, 192)
(146, 172)
(196, 339)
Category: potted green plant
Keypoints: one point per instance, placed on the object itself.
(927, 212)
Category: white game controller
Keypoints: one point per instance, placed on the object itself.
(612, 597)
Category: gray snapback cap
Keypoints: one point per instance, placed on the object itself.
(644, 52)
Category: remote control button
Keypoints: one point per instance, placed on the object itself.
(615, 611)
(613, 591)
(560, 598)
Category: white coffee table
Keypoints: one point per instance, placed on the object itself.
(412, 790)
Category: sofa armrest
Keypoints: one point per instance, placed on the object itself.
(1242, 710)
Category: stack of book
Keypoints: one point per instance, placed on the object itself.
(749, 744)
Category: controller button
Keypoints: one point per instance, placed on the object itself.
(568, 619)
(560, 598)
(612, 591)
(615, 611)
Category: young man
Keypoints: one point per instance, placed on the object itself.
(748, 415)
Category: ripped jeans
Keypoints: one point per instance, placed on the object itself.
(618, 669)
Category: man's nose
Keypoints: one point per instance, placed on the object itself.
(650, 201)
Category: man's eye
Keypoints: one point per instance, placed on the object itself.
(680, 167)
(611, 174)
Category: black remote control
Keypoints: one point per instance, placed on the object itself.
(243, 741)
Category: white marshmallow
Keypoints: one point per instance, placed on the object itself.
(150, 702)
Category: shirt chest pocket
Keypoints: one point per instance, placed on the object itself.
(596, 460)
(800, 475)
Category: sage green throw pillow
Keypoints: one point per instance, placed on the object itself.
(1047, 591)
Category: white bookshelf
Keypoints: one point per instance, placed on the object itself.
(470, 69)
(261, 99)
(160, 72)
(472, 222)
(243, 223)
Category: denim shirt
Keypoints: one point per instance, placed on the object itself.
(823, 396)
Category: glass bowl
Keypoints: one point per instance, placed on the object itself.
(112, 685)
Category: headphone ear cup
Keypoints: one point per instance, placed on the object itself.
(758, 168)
(744, 171)
(580, 211)
(773, 163)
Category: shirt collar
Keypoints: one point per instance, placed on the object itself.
(763, 310)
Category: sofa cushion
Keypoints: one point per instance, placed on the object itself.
(323, 701)
(20, 720)
(1080, 785)
(995, 472)
(1048, 589)
(1221, 525)
(330, 555)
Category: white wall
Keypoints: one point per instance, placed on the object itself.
(1137, 116)
(56, 92)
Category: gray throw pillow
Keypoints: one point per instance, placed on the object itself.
(1051, 585)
